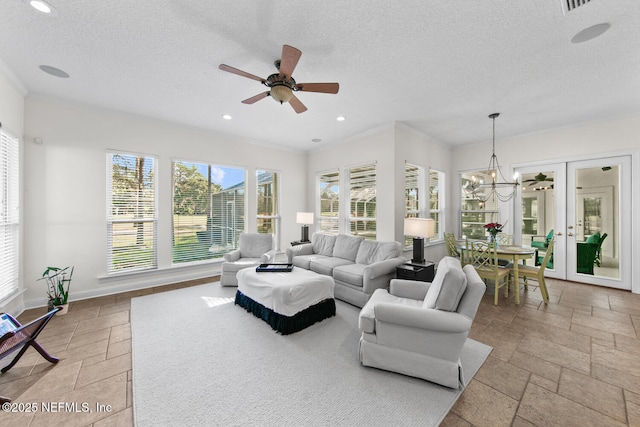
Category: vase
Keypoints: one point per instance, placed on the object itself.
(64, 308)
(492, 239)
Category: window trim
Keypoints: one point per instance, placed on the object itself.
(276, 217)
(110, 220)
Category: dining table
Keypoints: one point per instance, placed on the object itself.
(513, 253)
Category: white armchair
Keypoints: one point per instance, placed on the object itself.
(253, 249)
(419, 328)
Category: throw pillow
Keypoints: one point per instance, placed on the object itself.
(346, 247)
(323, 244)
(366, 252)
(594, 238)
(447, 287)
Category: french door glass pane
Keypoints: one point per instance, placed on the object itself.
(596, 227)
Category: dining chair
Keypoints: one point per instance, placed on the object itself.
(537, 273)
(484, 257)
(452, 247)
(504, 239)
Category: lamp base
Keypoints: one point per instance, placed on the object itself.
(418, 250)
(304, 233)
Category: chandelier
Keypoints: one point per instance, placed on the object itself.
(497, 187)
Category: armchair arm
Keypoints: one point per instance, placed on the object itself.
(268, 257)
(232, 256)
(423, 318)
(304, 249)
(411, 289)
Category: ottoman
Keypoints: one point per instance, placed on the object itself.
(287, 301)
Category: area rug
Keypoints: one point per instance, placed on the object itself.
(198, 359)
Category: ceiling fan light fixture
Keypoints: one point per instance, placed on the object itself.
(281, 93)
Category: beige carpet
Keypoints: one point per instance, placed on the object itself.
(198, 359)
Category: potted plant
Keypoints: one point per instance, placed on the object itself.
(58, 282)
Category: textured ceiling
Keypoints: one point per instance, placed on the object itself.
(439, 67)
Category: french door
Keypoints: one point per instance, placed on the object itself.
(586, 206)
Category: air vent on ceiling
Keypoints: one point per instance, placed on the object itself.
(569, 5)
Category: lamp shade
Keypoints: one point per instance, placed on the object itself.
(419, 227)
(304, 218)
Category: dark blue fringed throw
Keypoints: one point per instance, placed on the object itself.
(288, 324)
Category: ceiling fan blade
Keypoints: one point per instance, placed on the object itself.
(318, 87)
(256, 98)
(297, 105)
(289, 60)
(232, 70)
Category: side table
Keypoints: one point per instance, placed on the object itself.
(413, 271)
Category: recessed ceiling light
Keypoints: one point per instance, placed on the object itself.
(316, 140)
(590, 33)
(341, 118)
(226, 117)
(42, 7)
(54, 71)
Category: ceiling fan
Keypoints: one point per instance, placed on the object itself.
(281, 84)
(538, 178)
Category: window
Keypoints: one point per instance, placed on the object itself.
(267, 217)
(132, 221)
(9, 214)
(208, 210)
(414, 188)
(474, 214)
(362, 201)
(436, 202)
(329, 202)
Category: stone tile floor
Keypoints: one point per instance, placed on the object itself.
(575, 361)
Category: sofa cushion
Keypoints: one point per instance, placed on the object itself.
(323, 244)
(253, 245)
(447, 287)
(371, 251)
(350, 273)
(304, 261)
(325, 265)
(346, 247)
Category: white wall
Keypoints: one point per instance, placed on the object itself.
(65, 191)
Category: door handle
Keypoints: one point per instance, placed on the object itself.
(570, 227)
(569, 234)
(559, 233)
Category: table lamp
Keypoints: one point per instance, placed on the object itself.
(419, 228)
(304, 218)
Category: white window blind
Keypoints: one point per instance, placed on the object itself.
(362, 195)
(9, 214)
(132, 213)
(437, 202)
(208, 210)
(329, 202)
(267, 219)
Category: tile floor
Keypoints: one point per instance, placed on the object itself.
(575, 362)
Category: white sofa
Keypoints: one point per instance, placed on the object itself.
(419, 328)
(358, 266)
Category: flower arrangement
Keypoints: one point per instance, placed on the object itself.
(493, 228)
(58, 283)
